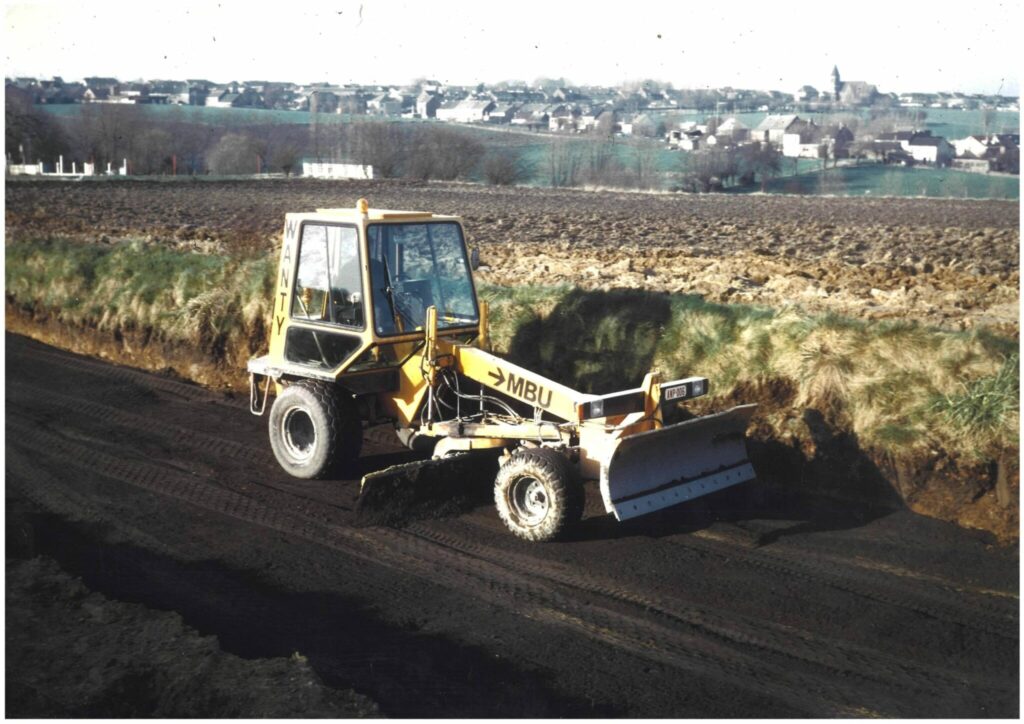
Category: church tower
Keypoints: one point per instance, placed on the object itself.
(837, 85)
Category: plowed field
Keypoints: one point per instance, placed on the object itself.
(951, 263)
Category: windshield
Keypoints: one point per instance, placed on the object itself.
(414, 266)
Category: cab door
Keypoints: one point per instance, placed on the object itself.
(327, 315)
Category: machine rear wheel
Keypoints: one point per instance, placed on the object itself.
(314, 429)
(537, 495)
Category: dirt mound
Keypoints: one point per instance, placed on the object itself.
(75, 653)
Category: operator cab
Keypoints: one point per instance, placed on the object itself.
(355, 285)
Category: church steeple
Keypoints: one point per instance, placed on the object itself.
(837, 84)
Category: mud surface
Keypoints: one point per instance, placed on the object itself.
(951, 263)
(161, 494)
(72, 652)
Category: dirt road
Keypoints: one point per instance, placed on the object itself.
(162, 493)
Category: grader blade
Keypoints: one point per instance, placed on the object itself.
(654, 470)
(424, 489)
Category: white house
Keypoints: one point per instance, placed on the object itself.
(774, 127)
(930, 149)
(467, 111)
(732, 129)
(802, 140)
(384, 104)
(975, 146)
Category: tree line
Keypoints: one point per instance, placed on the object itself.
(178, 141)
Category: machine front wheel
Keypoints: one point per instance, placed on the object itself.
(313, 429)
(537, 495)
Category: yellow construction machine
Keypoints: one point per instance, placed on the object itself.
(376, 319)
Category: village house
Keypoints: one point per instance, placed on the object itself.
(926, 148)
(102, 87)
(503, 112)
(732, 131)
(532, 115)
(384, 104)
(808, 140)
(427, 104)
(1004, 152)
(176, 91)
(971, 147)
(802, 139)
(563, 117)
(465, 111)
(774, 127)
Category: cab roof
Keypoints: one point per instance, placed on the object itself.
(383, 215)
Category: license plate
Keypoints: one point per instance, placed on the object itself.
(676, 393)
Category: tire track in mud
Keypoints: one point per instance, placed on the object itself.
(982, 615)
(709, 644)
(522, 594)
(140, 380)
(375, 439)
(941, 602)
(785, 641)
(136, 422)
(934, 602)
(532, 586)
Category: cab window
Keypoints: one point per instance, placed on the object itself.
(328, 281)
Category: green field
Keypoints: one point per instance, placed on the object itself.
(882, 180)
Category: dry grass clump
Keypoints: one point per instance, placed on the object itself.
(207, 301)
(898, 386)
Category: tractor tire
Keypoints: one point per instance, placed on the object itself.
(314, 429)
(538, 495)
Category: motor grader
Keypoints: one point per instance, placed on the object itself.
(376, 319)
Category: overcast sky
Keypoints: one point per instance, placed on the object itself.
(898, 46)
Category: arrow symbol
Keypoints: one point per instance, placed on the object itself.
(499, 377)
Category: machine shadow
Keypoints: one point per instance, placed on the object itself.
(604, 341)
(838, 488)
(594, 341)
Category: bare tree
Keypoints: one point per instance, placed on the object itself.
(563, 162)
(153, 151)
(442, 153)
(234, 153)
(380, 144)
(705, 170)
(30, 135)
(761, 160)
(602, 164)
(605, 126)
(107, 133)
(505, 168)
(645, 165)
